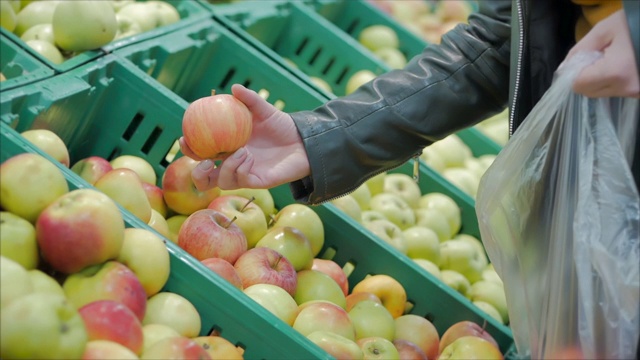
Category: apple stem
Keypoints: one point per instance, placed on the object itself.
(484, 325)
(213, 92)
(247, 204)
(272, 219)
(231, 222)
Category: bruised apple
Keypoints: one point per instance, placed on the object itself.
(216, 126)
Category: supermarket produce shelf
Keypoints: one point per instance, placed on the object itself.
(19, 66)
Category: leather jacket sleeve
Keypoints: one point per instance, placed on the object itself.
(384, 123)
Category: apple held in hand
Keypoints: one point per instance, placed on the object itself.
(180, 192)
(82, 25)
(18, 240)
(113, 321)
(249, 216)
(275, 299)
(107, 281)
(49, 142)
(264, 265)
(29, 183)
(215, 126)
(92, 168)
(209, 233)
(41, 326)
(81, 228)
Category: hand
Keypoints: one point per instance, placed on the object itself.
(616, 73)
(274, 154)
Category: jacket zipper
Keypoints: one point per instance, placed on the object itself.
(518, 65)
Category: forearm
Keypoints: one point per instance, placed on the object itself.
(446, 88)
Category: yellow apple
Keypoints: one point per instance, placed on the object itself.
(154, 332)
(49, 142)
(159, 224)
(41, 282)
(141, 166)
(387, 289)
(349, 206)
(219, 348)
(175, 311)
(336, 345)
(18, 240)
(275, 299)
(305, 219)
(370, 318)
(125, 187)
(147, 256)
(420, 331)
(175, 222)
(358, 79)
(14, 281)
(106, 349)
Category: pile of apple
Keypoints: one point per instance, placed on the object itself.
(426, 20)
(76, 283)
(426, 228)
(496, 127)
(61, 29)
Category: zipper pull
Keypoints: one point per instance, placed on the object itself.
(416, 168)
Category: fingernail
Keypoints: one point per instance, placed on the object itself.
(239, 153)
(205, 165)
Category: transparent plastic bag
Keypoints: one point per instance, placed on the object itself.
(559, 215)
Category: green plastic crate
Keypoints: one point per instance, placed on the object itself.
(291, 32)
(203, 56)
(18, 66)
(190, 11)
(94, 109)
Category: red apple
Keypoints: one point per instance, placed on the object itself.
(225, 269)
(334, 270)
(215, 126)
(112, 320)
(180, 193)
(249, 216)
(92, 168)
(176, 348)
(156, 198)
(420, 331)
(209, 233)
(266, 266)
(81, 228)
(464, 328)
(409, 351)
(107, 281)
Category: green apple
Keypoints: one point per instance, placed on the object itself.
(248, 215)
(446, 205)
(80, 25)
(462, 256)
(175, 222)
(388, 232)
(305, 219)
(489, 309)
(47, 50)
(275, 299)
(126, 26)
(490, 274)
(465, 179)
(321, 83)
(175, 311)
(146, 254)
(119, 4)
(165, 12)
(432, 159)
(349, 206)
(14, 281)
(322, 315)
(434, 220)
(492, 293)
(455, 280)
(39, 32)
(390, 291)
(422, 242)
(394, 208)
(452, 150)
(42, 326)
(261, 197)
(429, 266)
(316, 285)
(378, 36)
(159, 224)
(18, 240)
(393, 57)
(481, 255)
(358, 79)
(370, 215)
(336, 345)
(376, 183)
(151, 333)
(48, 141)
(140, 165)
(41, 282)
(404, 186)
(8, 17)
(362, 194)
(371, 318)
(376, 347)
(142, 13)
(36, 12)
(290, 242)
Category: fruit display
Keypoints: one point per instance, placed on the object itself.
(262, 271)
(58, 31)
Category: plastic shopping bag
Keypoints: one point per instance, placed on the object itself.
(559, 215)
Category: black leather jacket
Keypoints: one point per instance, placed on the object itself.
(505, 56)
